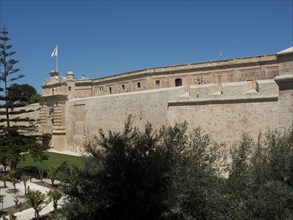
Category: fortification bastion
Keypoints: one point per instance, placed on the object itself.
(225, 98)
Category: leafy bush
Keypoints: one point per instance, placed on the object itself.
(173, 174)
(260, 181)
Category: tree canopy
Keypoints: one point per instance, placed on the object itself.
(17, 131)
(23, 94)
(175, 174)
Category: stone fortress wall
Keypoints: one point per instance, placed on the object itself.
(225, 98)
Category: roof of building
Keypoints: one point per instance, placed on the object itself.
(288, 50)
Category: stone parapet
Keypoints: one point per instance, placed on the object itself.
(233, 90)
(285, 104)
(225, 98)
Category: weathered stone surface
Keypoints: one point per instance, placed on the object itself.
(225, 98)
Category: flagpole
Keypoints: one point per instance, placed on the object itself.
(57, 63)
(55, 54)
(57, 59)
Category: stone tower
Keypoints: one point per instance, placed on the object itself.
(285, 82)
(52, 113)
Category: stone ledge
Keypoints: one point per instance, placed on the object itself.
(284, 78)
(285, 82)
(223, 101)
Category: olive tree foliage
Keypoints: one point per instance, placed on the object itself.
(53, 173)
(192, 191)
(175, 174)
(55, 195)
(25, 179)
(126, 174)
(142, 175)
(14, 127)
(261, 176)
(37, 200)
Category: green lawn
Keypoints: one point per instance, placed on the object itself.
(54, 159)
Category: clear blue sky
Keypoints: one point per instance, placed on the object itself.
(100, 38)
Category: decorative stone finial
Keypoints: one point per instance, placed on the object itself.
(70, 75)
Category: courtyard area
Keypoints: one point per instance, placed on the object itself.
(10, 198)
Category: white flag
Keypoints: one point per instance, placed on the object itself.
(55, 52)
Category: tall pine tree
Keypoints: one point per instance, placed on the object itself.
(17, 131)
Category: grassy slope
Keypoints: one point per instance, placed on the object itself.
(54, 158)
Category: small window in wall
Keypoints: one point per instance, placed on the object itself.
(69, 88)
(52, 91)
(110, 90)
(101, 88)
(157, 82)
(123, 87)
(138, 85)
(178, 82)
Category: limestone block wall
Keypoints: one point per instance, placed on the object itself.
(227, 113)
(286, 109)
(285, 104)
(285, 82)
(52, 119)
(223, 110)
(85, 116)
(225, 98)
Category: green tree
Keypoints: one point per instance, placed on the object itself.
(23, 94)
(37, 200)
(55, 195)
(4, 178)
(25, 179)
(146, 175)
(1, 201)
(175, 174)
(280, 156)
(194, 186)
(259, 184)
(13, 179)
(35, 98)
(53, 173)
(125, 176)
(18, 134)
(4, 158)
